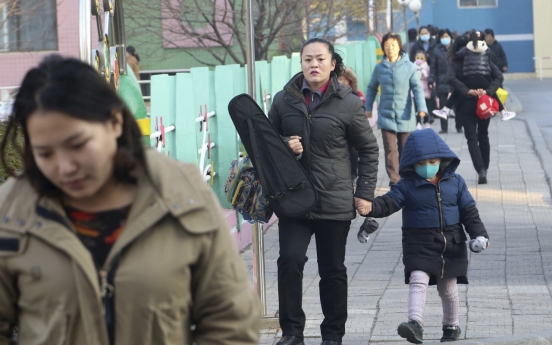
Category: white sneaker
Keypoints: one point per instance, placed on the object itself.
(507, 115)
(418, 126)
(427, 125)
(442, 113)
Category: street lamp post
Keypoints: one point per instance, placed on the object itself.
(404, 3)
(415, 6)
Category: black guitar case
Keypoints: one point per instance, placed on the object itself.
(285, 183)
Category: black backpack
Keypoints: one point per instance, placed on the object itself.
(287, 186)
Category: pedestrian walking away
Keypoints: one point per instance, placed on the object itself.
(397, 77)
(438, 79)
(477, 67)
(436, 207)
(472, 75)
(104, 241)
(319, 119)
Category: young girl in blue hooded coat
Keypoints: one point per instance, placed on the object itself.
(437, 207)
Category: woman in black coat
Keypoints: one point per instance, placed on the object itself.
(425, 43)
(320, 119)
(476, 130)
(438, 75)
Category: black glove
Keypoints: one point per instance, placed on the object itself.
(366, 229)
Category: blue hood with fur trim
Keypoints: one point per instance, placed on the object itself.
(424, 144)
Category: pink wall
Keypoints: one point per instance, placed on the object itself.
(13, 66)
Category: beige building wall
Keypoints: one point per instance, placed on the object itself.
(542, 9)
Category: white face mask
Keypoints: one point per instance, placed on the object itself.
(445, 41)
(424, 38)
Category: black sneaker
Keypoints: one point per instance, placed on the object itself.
(482, 174)
(290, 340)
(412, 331)
(451, 333)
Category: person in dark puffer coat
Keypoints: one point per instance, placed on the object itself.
(320, 120)
(437, 206)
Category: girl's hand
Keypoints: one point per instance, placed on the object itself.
(363, 206)
(422, 113)
(368, 114)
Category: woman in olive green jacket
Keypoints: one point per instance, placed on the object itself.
(103, 242)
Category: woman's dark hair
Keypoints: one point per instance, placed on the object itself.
(424, 27)
(339, 66)
(75, 89)
(433, 30)
(132, 51)
(459, 43)
(442, 32)
(391, 35)
(489, 32)
(423, 52)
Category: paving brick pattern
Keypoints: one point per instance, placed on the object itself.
(510, 283)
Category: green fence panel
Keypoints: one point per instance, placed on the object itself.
(280, 73)
(341, 50)
(186, 127)
(351, 56)
(373, 48)
(263, 84)
(360, 63)
(227, 137)
(163, 108)
(403, 38)
(295, 64)
(368, 64)
(201, 90)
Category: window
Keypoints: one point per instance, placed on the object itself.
(477, 3)
(28, 25)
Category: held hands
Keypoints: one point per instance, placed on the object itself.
(477, 93)
(363, 206)
(295, 145)
(479, 244)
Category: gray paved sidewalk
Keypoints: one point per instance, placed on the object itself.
(510, 283)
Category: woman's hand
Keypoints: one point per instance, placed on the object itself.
(422, 113)
(295, 145)
(363, 206)
(477, 93)
(368, 114)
